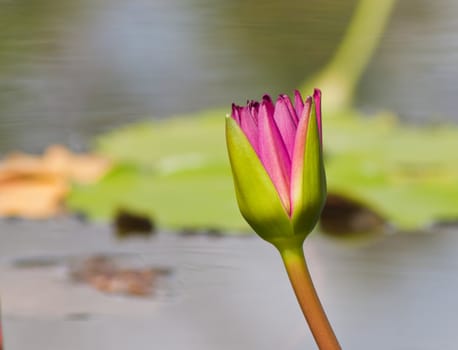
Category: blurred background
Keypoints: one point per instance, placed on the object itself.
(70, 70)
(111, 77)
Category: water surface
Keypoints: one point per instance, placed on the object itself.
(397, 292)
(70, 70)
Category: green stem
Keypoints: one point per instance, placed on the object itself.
(341, 75)
(300, 278)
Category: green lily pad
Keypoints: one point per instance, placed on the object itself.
(177, 170)
(409, 174)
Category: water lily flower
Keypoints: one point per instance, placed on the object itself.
(276, 156)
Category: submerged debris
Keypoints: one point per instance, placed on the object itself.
(128, 223)
(102, 273)
(343, 216)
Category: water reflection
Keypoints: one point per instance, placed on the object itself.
(70, 70)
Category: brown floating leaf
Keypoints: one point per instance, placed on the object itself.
(344, 216)
(103, 274)
(35, 186)
(80, 168)
(37, 197)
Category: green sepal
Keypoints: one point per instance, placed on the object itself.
(309, 202)
(257, 197)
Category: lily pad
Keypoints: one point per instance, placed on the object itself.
(409, 174)
(177, 170)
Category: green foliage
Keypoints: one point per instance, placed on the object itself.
(408, 174)
(177, 170)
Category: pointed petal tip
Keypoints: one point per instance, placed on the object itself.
(286, 100)
(280, 98)
(235, 113)
(266, 98)
(317, 99)
(254, 106)
(268, 105)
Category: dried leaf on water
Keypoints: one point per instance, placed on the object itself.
(36, 186)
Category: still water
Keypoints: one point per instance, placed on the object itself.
(70, 70)
(226, 293)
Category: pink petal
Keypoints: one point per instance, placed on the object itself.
(297, 165)
(254, 110)
(236, 113)
(267, 102)
(298, 103)
(292, 111)
(286, 122)
(317, 98)
(306, 109)
(273, 153)
(248, 123)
